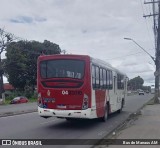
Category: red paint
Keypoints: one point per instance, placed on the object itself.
(100, 102)
(57, 85)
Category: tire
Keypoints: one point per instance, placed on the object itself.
(105, 117)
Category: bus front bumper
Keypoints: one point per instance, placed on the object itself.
(44, 112)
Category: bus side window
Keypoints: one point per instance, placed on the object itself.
(120, 81)
(97, 77)
(110, 80)
(114, 81)
(93, 76)
(104, 79)
(101, 78)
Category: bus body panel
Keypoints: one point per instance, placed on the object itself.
(66, 113)
(67, 97)
(113, 94)
(101, 99)
(59, 100)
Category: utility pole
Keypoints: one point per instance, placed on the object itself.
(156, 28)
(157, 77)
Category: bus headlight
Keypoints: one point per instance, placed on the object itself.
(85, 102)
(39, 100)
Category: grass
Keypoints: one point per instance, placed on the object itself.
(7, 100)
(151, 102)
(33, 100)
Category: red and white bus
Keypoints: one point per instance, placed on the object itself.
(79, 86)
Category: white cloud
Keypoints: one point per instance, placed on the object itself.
(92, 27)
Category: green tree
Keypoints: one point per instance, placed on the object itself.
(136, 83)
(20, 65)
(145, 88)
(5, 40)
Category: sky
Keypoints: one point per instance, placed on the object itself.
(91, 27)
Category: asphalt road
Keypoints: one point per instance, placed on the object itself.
(31, 126)
(134, 102)
(18, 107)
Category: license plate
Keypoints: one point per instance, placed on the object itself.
(61, 106)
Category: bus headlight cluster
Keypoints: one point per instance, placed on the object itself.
(39, 101)
(85, 102)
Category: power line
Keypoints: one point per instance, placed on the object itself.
(125, 56)
(149, 34)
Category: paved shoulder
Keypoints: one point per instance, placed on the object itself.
(143, 126)
(6, 110)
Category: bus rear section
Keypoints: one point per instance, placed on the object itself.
(64, 86)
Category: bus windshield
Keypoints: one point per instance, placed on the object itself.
(62, 69)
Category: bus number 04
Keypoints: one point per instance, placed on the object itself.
(64, 92)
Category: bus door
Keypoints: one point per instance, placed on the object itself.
(113, 95)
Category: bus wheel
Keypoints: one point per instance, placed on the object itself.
(105, 117)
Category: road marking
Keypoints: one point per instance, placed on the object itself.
(11, 116)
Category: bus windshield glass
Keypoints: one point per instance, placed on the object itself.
(62, 69)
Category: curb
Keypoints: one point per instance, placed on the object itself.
(120, 125)
(17, 113)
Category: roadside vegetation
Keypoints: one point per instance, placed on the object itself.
(20, 64)
(151, 102)
(137, 84)
(32, 97)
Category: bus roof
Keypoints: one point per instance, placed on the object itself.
(107, 65)
(47, 57)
